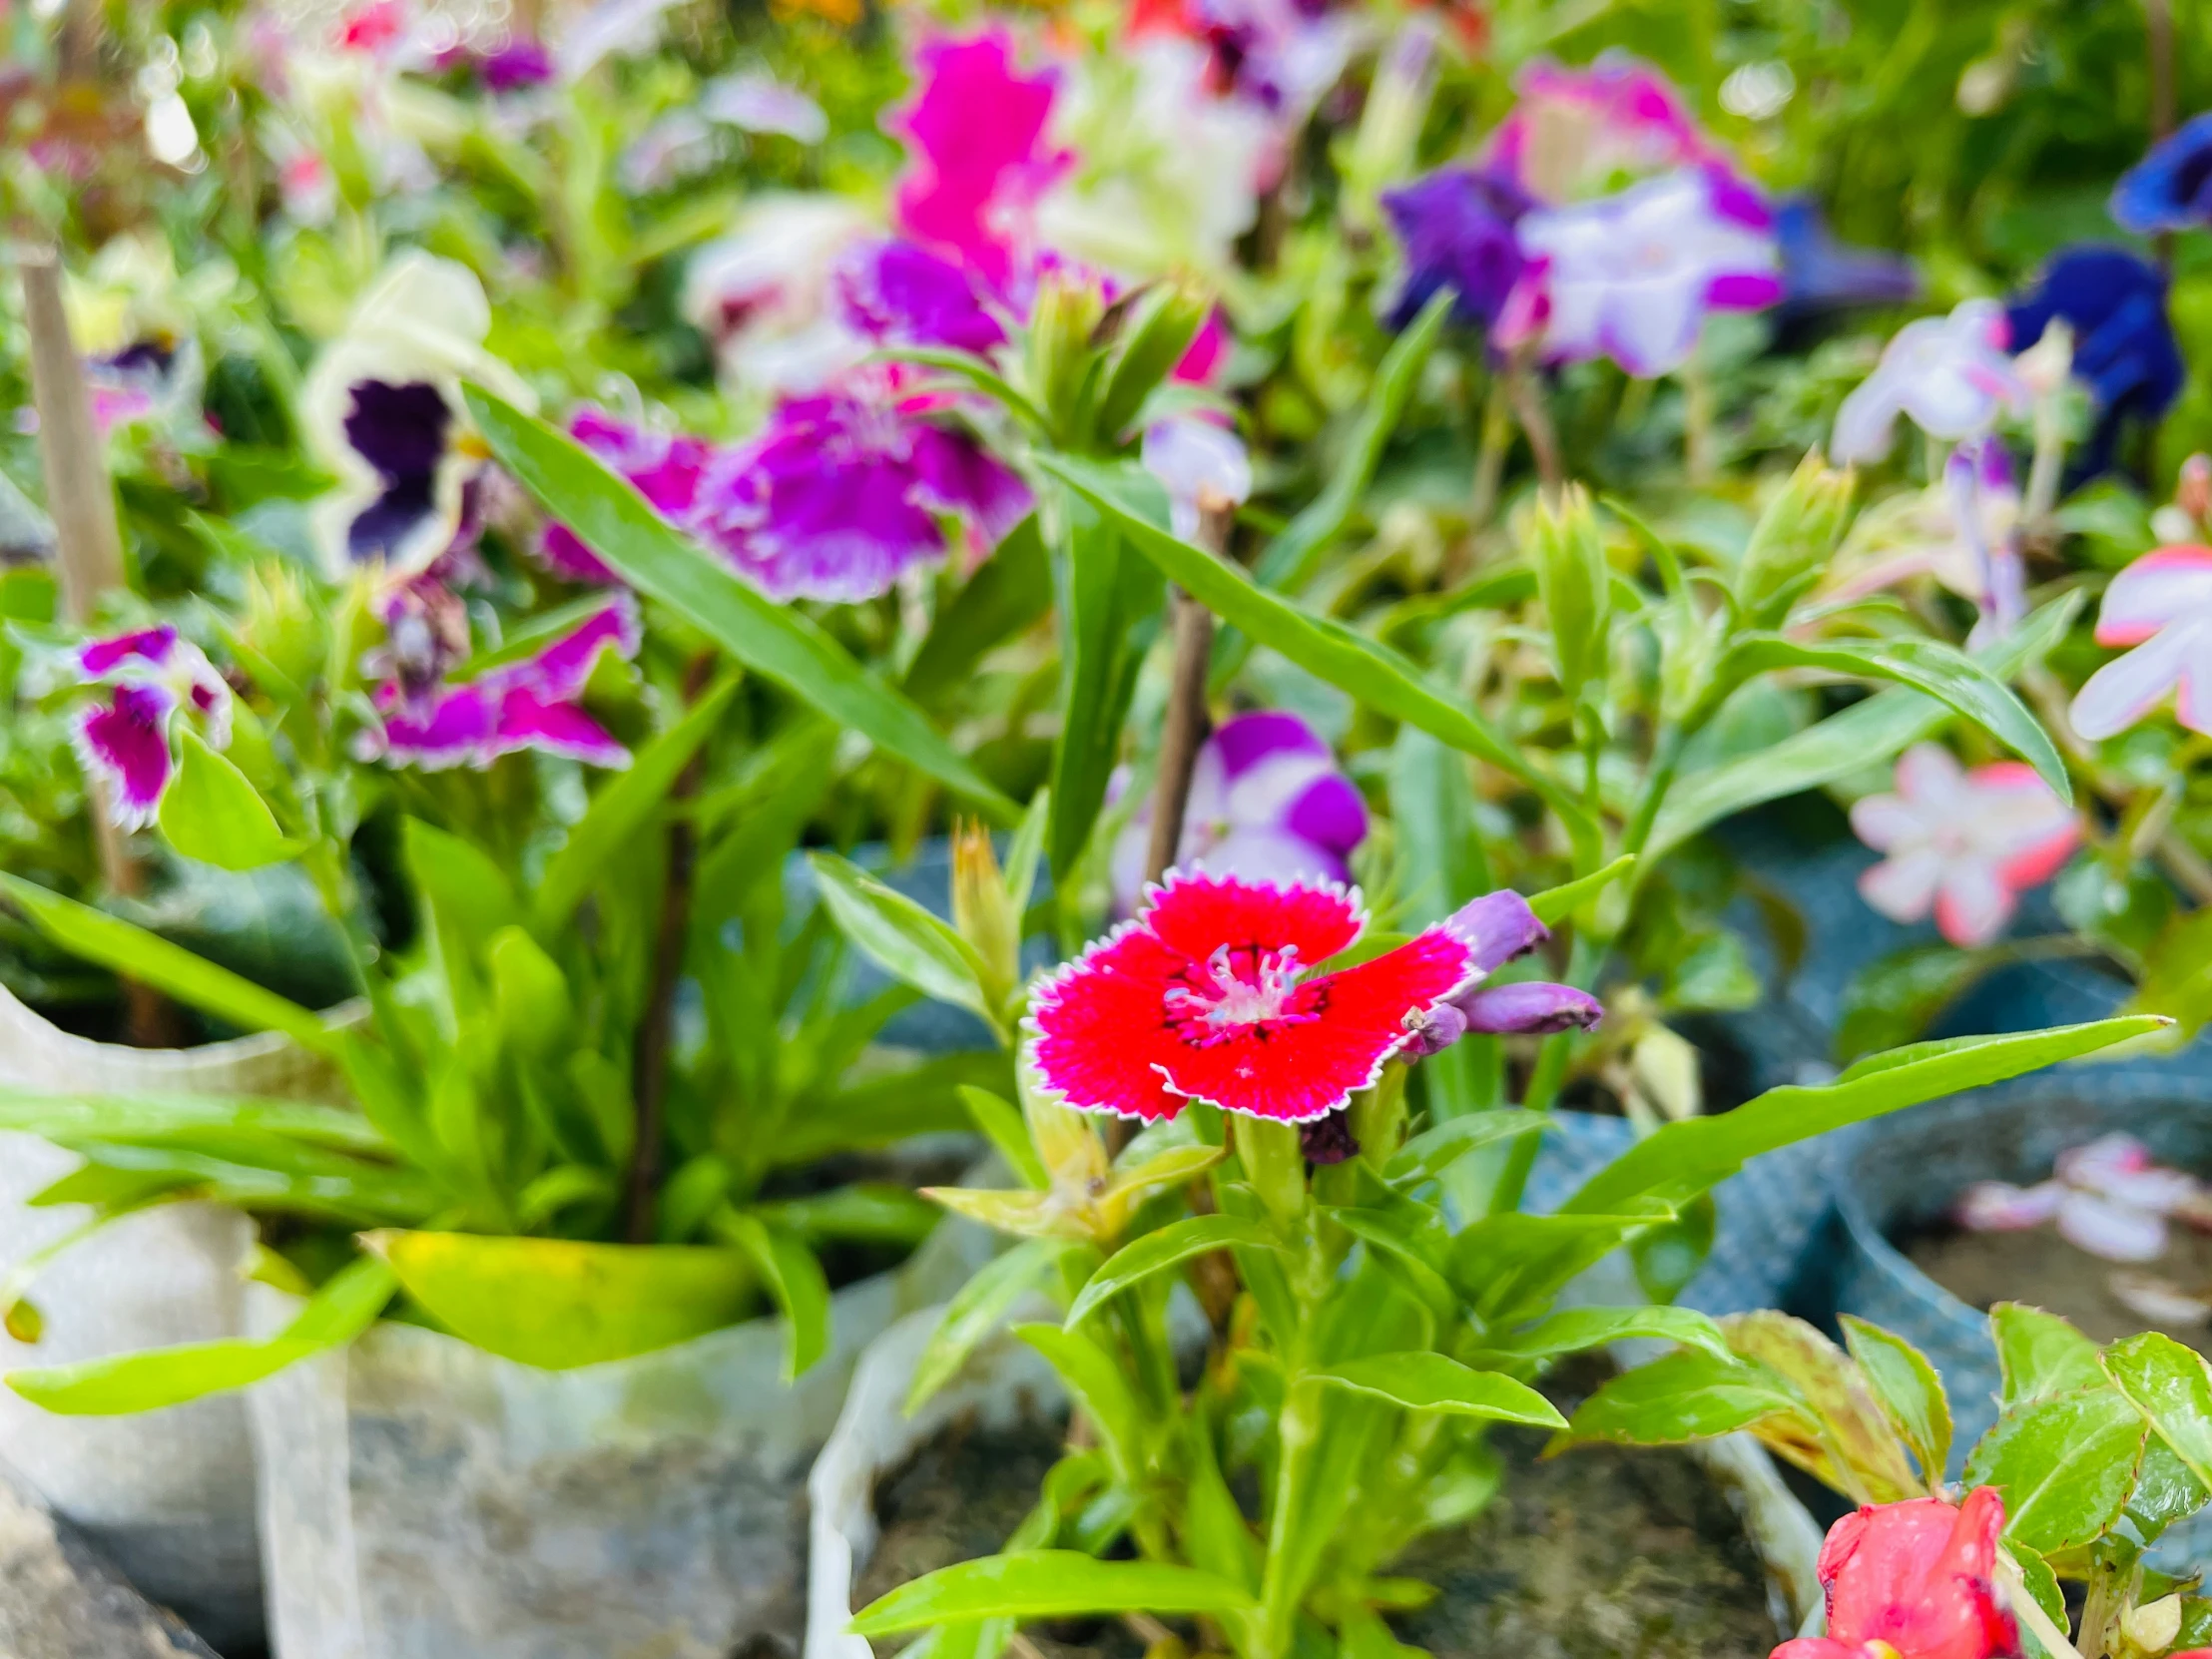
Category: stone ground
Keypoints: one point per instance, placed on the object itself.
(60, 1600)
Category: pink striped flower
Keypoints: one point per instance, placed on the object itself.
(1964, 843)
(2161, 606)
(155, 678)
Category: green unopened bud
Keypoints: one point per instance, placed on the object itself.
(1062, 351)
(282, 628)
(983, 913)
(1793, 540)
(1167, 320)
(1575, 584)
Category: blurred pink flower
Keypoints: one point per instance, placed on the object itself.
(2161, 605)
(2107, 1197)
(1965, 844)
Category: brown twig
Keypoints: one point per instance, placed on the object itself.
(2158, 41)
(657, 1031)
(1535, 420)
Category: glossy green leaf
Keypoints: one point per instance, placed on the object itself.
(1009, 592)
(1684, 1396)
(2065, 1465)
(2041, 1583)
(794, 1276)
(560, 1303)
(1509, 1266)
(621, 809)
(901, 937)
(1863, 735)
(1558, 904)
(1004, 1127)
(1171, 1245)
(1433, 1151)
(466, 886)
(776, 640)
(1934, 666)
(1907, 1388)
(124, 1384)
(2167, 1490)
(1434, 1383)
(1110, 601)
(2172, 1389)
(1845, 1439)
(152, 961)
(2040, 1354)
(1895, 999)
(1687, 1158)
(1047, 1584)
(1574, 1330)
(1096, 1381)
(976, 1311)
(1374, 675)
(211, 813)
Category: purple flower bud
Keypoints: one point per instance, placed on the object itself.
(1434, 1030)
(1328, 1139)
(1533, 1007)
(1498, 926)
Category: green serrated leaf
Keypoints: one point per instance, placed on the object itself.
(2065, 1465)
(1907, 1388)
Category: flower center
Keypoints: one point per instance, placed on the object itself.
(1234, 991)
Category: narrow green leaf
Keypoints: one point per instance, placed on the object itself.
(1432, 1152)
(1557, 903)
(1940, 670)
(776, 640)
(1008, 592)
(1109, 606)
(794, 1276)
(1574, 1330)
(2065, 1466)
(1172, 1245)
(976, 1311)
(623, 807)
(1371, 674)
(124, 1384)
(1292, 559)
(1687, 1158)
(1435, 1383)
(1907, 1388)
(1048, 1584)
(903, 939)
(152, 961)
(1096, 1381)
(211, 813)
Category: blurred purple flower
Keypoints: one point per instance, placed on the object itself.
(901, 291)
(840, 495)
(156, 678)
(2171, 188)
(1819, 272)
(1193, 458)
(2125, 347)
(1267, 803)
(1458, 230)
(531, 704)
(1979, 482)
(1583, 131)
(665, 468)
(756, 102)
(1632, 276)
(1952, 374)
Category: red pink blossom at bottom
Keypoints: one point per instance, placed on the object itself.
(1913, 1580)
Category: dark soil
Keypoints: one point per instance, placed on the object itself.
(1601, 1553)
(2041, 1269)
(961, 1496)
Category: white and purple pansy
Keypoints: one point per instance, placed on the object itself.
(1267, 803)
(382, 409)
(528, 705)
(840, 494)
(154, 678)
(2160, 608)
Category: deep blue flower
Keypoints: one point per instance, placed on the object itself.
(1819, 272)
(2171, 188)
(2124, 344)
(1458, 230)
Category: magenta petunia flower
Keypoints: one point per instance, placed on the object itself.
(2161, 606)
(531, 704)
(1632, 276)
(1952, 374)
(1583, 131)
(903, 293)
(156, 678)
(840, 495)
(1267, 803)
(977, 132)
(666, 467)
(1207, 997)
(1964, 843)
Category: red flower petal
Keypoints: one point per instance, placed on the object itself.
(1919, 1575)
(1197, 913)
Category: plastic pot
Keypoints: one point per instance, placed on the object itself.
(424, 1499)
(167, 1496)
(1896, 1175)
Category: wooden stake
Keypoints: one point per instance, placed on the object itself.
(87, 544)
(1187, 721)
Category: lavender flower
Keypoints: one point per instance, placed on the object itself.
(1196, 460)
(1950, 374)
(1458, 228)
(1500, 928)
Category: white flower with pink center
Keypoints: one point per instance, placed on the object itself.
(2161, 606)
(1964, 843)
(1950, 374)
(2107, 1197)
